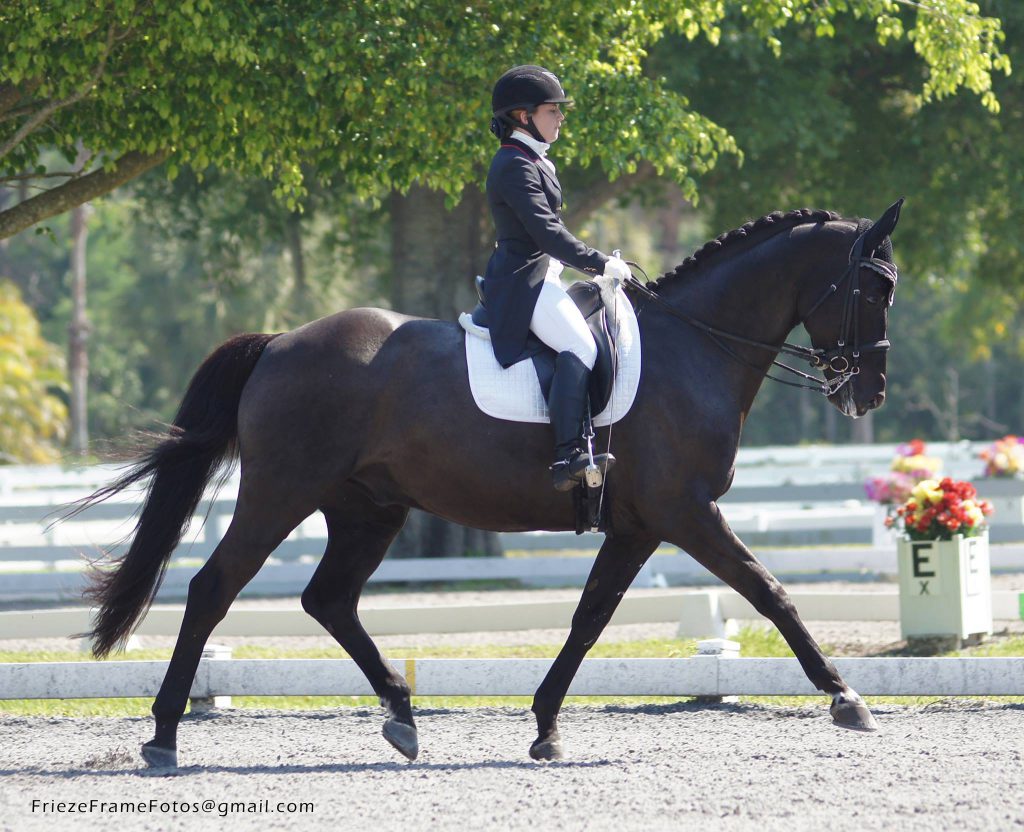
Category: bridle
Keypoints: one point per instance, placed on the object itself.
(843, 359)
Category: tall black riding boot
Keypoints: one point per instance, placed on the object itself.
(567, 403)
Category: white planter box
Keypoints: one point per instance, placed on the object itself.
(945, 587)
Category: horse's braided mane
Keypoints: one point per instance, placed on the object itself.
(772, 223)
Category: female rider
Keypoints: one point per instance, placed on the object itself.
(522, 289)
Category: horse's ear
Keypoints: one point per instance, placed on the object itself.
(874, 236)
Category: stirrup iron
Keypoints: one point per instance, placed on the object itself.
(592, 474)
(568, 473)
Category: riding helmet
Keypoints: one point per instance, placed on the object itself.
(524, 87)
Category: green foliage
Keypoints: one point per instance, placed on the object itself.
(394, 92)
(840, 124)
(375, 97)
(32, 418)
(169, 278)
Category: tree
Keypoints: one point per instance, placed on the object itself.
(304, 95)
(837, 124)
(32, 417)
(386, 94)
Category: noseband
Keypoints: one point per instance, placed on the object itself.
(843, 359)
(837, 359)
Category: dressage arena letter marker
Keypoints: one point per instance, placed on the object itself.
(974, 578)
(924, 568)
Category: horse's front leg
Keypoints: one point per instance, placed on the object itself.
(617, 564)
(702, 531)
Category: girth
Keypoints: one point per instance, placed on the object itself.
(587, 296)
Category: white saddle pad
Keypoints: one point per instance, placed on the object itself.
(515, 395)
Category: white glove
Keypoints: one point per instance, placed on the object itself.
(617, 270)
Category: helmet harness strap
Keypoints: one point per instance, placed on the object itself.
(503, 124)
(531, 128)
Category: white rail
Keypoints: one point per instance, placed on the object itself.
(698, 613)
(702, 675)
(801, 510)
(283, 579)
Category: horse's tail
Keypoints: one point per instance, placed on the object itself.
(182, 463)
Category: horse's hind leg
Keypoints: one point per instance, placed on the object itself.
(704, 533)
(617, 564)
(258, 526)
(358, 538)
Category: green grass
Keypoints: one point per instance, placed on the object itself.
(756, 642)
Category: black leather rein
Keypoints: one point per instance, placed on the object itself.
(834, 359)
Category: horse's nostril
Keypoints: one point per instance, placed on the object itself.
(876, 402)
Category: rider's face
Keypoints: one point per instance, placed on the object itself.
(548, 119)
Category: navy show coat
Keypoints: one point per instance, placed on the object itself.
(525, 199)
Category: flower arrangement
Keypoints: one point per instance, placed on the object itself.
(911, 459)
(909, 467)
(1004, 457)
(939, 509)
(894, 487)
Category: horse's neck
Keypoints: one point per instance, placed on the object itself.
(752, 293)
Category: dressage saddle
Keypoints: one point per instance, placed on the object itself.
(587, 296)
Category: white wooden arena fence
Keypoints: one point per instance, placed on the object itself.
(716, 672)
(783, 498)
(702, 613)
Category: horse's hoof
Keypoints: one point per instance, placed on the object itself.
(849, 711)
(403, 737)
(547, 750)
(158, 757)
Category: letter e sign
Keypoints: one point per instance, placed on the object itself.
(924, 568)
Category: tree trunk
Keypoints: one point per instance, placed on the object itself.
(991, 412)
(805, 415)
(674, 209)
(953, 405)
(1020, 404)
(5, 263)
(862, 430)
(435, 254)
(831, 428)
(300, 305)
(78, 334)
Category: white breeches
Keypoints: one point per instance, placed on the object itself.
(558, 322)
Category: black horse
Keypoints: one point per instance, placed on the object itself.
(366, 413)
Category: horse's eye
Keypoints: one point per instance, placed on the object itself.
(873, 299)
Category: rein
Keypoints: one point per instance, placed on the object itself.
(833, 359)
